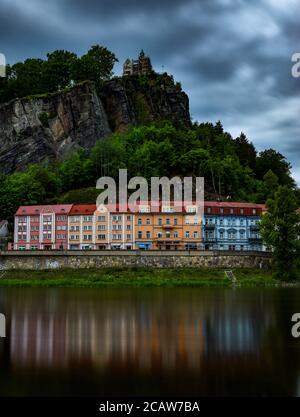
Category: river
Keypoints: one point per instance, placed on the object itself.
(162, 342)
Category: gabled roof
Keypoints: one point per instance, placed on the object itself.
(43, 209)
(3, 223)
(83, 209)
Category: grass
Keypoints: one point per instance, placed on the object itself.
(136, 277)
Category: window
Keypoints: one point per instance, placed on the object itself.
(117, 227)
(160, 222)
(159, 235)
(175, 221)
(74, 219)
(147, 221)
(140, 235)
(222, 235)
(221, 222)
(87, 237)
(101, 237)
(88, 218)
(140, 222)
(167, 221)
(232, 234)
(175, 235)
(195, 235)
(209, 210)
(187, 235)
(101, 218)
(168, 235)
(128, 218)
(128, 227)
(86, 228)
(128, 237)
(61, 218)
(117, 237)
(101, 227)
(148, 235)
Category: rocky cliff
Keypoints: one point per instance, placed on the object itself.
(49, 127)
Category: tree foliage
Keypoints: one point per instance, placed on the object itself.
(60, 70)
(280, 228)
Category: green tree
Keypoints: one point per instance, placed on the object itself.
(280, 229)
(275, 161)
(268, 187)
(76, 171)
(97, 65)
(245, 151)
(57, 70)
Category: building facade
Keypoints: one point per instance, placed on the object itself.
(232, 226)
(41, 227)
(223, 226)
(140, 66)
(167, 229)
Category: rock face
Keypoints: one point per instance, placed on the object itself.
(49, 127)
(128, 102)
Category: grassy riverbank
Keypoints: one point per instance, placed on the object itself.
(138, 277)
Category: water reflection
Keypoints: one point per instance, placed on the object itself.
(150, 341)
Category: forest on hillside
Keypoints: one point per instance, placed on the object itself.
(232, 168)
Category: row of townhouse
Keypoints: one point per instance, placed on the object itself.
(223, 226)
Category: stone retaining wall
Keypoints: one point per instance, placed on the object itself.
(157, 259)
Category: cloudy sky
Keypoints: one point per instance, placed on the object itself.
(233, 57)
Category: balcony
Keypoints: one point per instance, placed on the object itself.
(168, 226)
(209, 240)
(209, 227)
(257, 240)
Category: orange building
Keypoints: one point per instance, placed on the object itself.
(168, 228)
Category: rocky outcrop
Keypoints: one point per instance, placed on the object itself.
(135, 101)
(49, 127)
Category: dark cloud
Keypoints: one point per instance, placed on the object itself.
(233, 57)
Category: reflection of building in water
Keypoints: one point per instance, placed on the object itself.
(121, 338)
(136, 334)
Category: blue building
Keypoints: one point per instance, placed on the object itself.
(232, 226)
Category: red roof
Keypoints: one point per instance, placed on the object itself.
(233, 204)
(82, 209)
(36, 210)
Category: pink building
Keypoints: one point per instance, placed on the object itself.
(42, 227)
